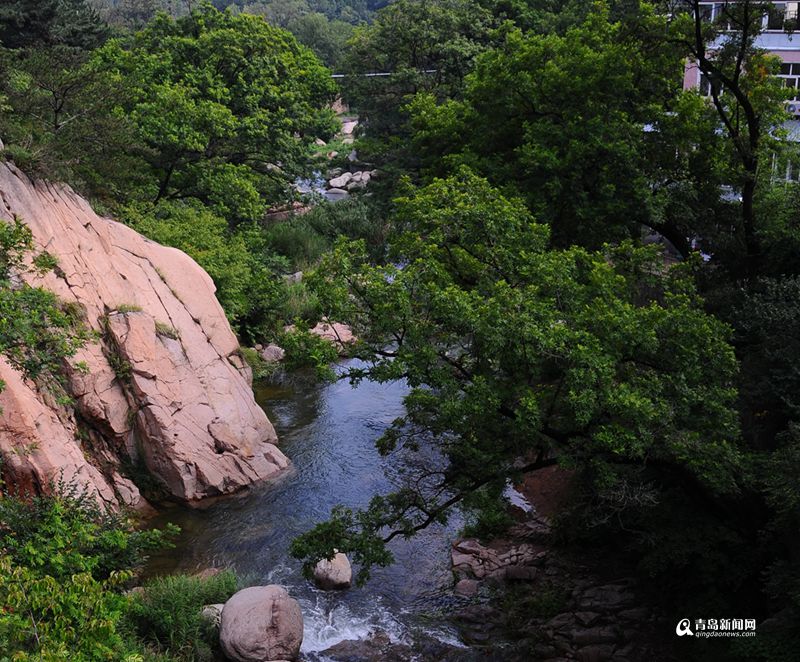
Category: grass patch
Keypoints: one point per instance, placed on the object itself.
(300, 303)
(296, 240)
(165, 616)
(167, 331)
(124, 308)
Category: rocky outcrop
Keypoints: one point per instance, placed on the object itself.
(261, 623)
(272, 353)
(334, 574)
(565, 607)
(340, 335)
(162, 391)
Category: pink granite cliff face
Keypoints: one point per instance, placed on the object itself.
(164, 391)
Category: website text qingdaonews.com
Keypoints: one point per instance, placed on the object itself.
(723, 633)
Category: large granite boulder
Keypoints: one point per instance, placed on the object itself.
(341, 181)
(260, 624)
(272, 353)
(163, 388)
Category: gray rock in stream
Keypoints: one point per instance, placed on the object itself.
(335, 574)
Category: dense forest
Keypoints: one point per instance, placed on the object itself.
(572, 260)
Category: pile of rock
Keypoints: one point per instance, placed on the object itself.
(473, 562)
(344, 183)
(598, 620)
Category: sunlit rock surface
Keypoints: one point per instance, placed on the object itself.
(164, 390)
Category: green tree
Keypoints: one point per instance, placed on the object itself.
(740, 81)
(424, 46)
(225, 106)
(519, 357)
(325, 37)
(59, 119)
(562, 119)
(279, 12)
(31, 23)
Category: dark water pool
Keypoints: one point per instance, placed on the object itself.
(328, 431)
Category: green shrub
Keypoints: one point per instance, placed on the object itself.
(297, 240)
(37, 331)
(166, 614)
(67, 533)
(261, 368)
(167, 331)
(355, 218)
(62, 566)
(307, 350)
(45, 262)
(44, 618)
(299, 303)
(521, 604)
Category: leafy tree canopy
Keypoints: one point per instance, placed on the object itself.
(28, 23)
(561, 119)
(224, 107)
(425, 46)
(520, 355)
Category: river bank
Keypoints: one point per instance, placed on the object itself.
(550, 602)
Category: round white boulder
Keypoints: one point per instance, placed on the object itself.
(335, 574)
(261, 623)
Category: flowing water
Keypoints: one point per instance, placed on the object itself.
(328, 431)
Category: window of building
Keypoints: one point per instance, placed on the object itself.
(790, 76)
(786, 167)
(711, 11)
(717, 12)
(776, 16)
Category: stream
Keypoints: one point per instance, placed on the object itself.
(328, 431)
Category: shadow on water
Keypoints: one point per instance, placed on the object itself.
(328, 431)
